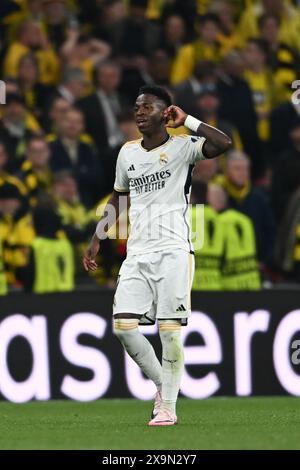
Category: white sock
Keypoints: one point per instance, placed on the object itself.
(139, 348)
(172, 362)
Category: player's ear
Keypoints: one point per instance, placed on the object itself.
(165, 116)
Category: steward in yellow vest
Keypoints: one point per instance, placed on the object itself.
(208, 257)
(54, 265)
(51, 267)
(240, 268)
(227, 259)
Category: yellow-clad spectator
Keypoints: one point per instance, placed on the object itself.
(84, 52)
(174, 37)
(228, 37)
(69, 206)
(16, 126)
(16, 231)
(79, 224)
(282, 59)
(203, 6)
(206, 47)
(35, 172)
(27, 10)
(31, 38)
(57, 18)
(6, 177)
(35, 94)
(260, 80)
(57, 113)
(289, 20)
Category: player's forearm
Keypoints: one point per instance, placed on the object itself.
(217, 142)
(112, 211)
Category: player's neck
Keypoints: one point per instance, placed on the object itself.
(150, 142)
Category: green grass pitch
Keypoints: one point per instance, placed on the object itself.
(215, 423)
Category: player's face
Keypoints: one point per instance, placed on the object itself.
(149, 114)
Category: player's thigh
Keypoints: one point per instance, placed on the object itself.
(174, 286)
(133, 295)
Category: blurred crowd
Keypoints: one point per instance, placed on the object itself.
(72, 70)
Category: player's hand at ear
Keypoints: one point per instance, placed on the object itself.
(89, 258)
(176, 116)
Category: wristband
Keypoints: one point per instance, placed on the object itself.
(192, 123)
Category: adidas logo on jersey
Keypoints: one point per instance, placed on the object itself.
(131, 168)
(181, 308)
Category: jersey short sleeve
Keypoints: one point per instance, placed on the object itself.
(121, 181)
(193, 148)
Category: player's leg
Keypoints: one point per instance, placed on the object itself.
(137, 346)
(172, 368)
(133, 298)
(173, 309)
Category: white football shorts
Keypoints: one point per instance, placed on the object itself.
(156, 285)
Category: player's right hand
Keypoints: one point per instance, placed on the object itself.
(176, 115)
(89, 257)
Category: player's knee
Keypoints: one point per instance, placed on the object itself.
(169, 331)
(124, 327)
(169, 327)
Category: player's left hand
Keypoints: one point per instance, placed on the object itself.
(176, 115)
(89, 257)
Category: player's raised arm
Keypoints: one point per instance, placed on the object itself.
(104, 224)
(216, 141)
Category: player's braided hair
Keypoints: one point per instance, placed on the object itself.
(157, 91)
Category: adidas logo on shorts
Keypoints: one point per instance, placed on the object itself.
(181, 308)
(131, 168)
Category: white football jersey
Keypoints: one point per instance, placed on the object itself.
(159, 182)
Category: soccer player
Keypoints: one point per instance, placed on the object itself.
(155, 279)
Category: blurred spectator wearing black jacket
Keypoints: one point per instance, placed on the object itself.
(187, 91)
(70, 152)
(135, 39)
(207, 109)
(283, 118)
(135, 35)
(71, 87)
(286, 175)
(287, 253)
(237, 107)
(101, 110)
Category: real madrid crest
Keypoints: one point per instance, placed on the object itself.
(163, 159)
